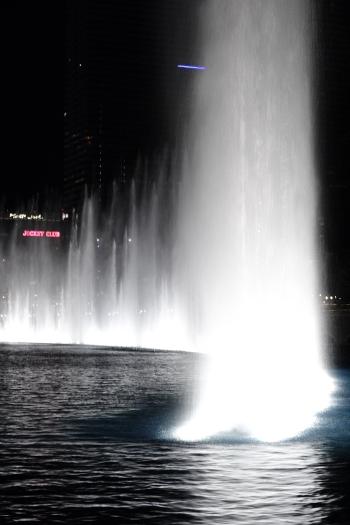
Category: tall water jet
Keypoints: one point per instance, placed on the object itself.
(248, 231)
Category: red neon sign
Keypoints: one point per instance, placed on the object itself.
(41, 233)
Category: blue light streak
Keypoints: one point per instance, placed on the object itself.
(189, 66)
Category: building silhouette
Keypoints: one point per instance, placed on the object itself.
(121, 87)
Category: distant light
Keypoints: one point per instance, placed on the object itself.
(41, 233)
(189, 66)
(25, 216)
(326, 297)
(129, 239)
(331, 297)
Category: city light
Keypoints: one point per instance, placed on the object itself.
(41, 233)
(189, 66)
(23, 216)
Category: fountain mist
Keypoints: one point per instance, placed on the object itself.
(110, 283)
(249, 223)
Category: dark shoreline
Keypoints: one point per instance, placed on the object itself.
(78, 346)
(336, 355)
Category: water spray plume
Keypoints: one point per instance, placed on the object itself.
(249, 225)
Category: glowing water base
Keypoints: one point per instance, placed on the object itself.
(226, 263)
(249, 224)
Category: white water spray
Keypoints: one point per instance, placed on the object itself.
(249, 224)
(107, 282)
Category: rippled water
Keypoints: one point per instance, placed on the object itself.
(84, 440)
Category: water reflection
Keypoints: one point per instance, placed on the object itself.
(259, 483)
(80, 443)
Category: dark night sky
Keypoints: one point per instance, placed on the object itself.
(32, 96)
(33, 58)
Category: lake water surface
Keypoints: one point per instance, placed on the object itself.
(84, 435)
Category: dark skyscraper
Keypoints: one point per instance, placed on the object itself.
(121, 87)
(333, 112)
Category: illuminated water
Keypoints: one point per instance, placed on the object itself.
(248, 212)
(83, 440)
(108, 280)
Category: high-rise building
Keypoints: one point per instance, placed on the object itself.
(121, 86)
(333, 110)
